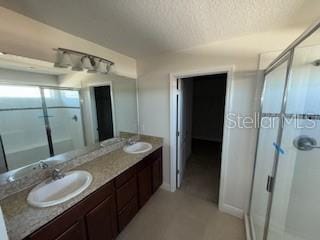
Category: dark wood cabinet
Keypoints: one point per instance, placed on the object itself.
(157, 178)
(126, 192)
(94, 214)
(144, 184)
(127, 213)
(69, 225)
(101, 221)
(75, 232)
(106, 212)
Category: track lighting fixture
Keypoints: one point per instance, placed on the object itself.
(66, 58)
(63, 60)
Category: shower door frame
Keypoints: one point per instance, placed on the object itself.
(286, 55)
(45, 108)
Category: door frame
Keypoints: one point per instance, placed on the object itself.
(92, 98)
(229, 70)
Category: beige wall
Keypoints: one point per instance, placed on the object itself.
(243, 54)
(23, 36)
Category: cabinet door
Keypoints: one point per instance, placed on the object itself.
(75, 232)
(126, 215)
(101, 221)
(157, 173)
(144, 184)
(126, 192)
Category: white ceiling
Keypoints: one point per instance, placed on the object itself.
(140, 28)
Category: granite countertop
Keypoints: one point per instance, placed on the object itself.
(22, 219)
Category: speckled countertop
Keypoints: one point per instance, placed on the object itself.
(22, 219)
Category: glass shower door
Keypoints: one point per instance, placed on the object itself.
(295, 212)
(273, 91)
(65, 119)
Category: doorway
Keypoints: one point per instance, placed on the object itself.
(103, 102)
(201, 104)
(184, 146)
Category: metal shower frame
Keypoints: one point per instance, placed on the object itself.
(285, 56)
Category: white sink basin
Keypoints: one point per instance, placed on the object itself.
(50, 193)
(138, 147)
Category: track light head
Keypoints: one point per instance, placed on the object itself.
(87, 63)
(63, 60)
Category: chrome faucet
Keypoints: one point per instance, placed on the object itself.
(57, 174)
(130, 141)
(43, 165)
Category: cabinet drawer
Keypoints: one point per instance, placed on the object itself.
(127, 213)
(126, 192)
(125, 177)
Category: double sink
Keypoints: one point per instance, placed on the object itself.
(62, 187)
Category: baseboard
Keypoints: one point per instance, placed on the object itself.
(237, 212)
(247, 227)
(166, 186)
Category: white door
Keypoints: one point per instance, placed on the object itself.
(181, 132)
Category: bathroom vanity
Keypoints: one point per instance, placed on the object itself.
(122, 184)
(105, 212)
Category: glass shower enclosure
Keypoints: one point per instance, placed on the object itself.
(285, 189)
(37, 123)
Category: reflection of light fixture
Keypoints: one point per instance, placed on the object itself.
(64, 60)
(77, 67)
(95, 65)
(108, 67)
(101, 66)
(86, 61)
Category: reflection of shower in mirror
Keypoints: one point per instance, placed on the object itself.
(75, 118)
(316, 63)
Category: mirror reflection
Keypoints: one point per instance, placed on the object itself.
(47, 111)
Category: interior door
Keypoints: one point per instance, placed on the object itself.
(181, 135)
(104, 112)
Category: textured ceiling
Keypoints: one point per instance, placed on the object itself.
(141, 28)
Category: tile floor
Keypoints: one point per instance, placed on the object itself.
(182, 216)
(191, 212)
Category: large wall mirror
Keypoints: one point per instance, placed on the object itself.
(47, 111)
